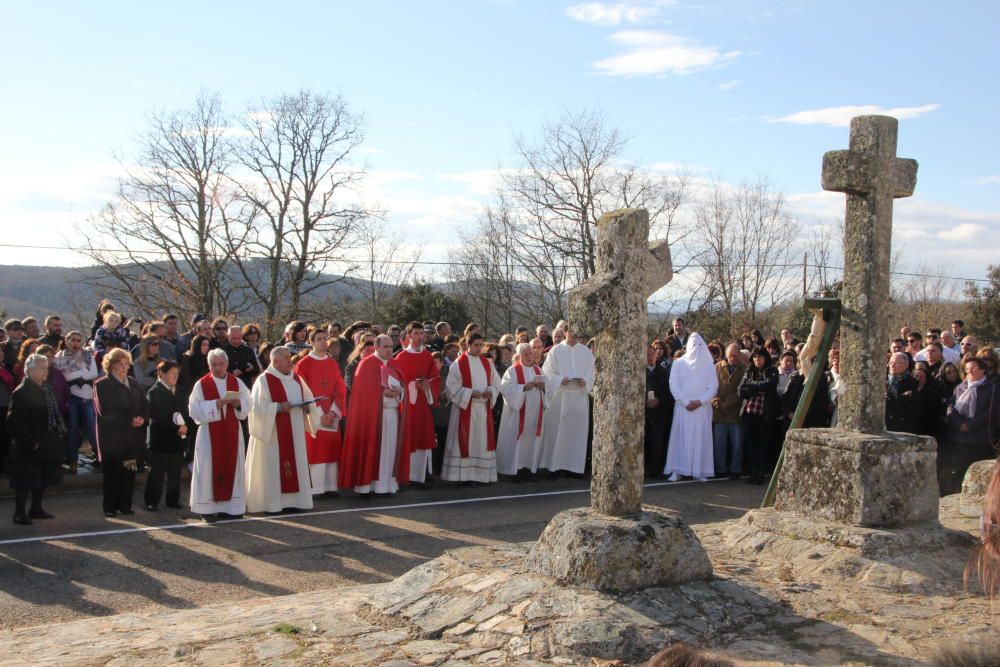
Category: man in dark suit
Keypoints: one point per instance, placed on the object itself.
(659, 413)
(679, 338)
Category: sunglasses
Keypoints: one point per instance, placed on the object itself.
(966, 344)
(912, 340)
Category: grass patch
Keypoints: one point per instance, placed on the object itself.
(287, 629)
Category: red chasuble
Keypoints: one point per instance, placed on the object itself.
(519, 372)
(286, 443)
(225, 436)
(418, 420)
(465, 416)
(359, 459)
(323, 378)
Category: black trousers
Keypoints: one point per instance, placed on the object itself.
(655, 453)
(118, 485)
(757, 445)
(164, 465)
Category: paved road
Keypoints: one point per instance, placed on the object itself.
(82, 564)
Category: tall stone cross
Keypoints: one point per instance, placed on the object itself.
(872, 176)
(611, 306)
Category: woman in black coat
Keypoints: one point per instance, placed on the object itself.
(973, 426)
(122, 412)
(759, 391)
(38, 435)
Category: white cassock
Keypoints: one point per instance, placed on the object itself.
(567, 415)
(514, 453)
(481, 464)
(264, 470)
(692, 377)
(386, 481)
(204, 413)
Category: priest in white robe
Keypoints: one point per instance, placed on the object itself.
(473, 387)
(217, 403)
(569, 379)
(282, 409)
(693, 383)
(520, 438)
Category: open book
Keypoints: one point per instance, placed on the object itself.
(303, 403)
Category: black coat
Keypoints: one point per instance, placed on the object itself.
(658, 382)
(677, 343)
(818, 414)
(33, 442)
(982, 433)
(163, 403)
(244, 360)
(903, 405)
(116, 405)
(755, 383)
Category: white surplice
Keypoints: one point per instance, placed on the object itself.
(515, 453)
(481, 464)
(567, 413)
(263, 476)
(204, 413)
(386, 481)
(692, 378)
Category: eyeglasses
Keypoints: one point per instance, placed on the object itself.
(912, 340)
(966, 344)
(220, 328)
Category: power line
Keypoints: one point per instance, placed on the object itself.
(162, 253)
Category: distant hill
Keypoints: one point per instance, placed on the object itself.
(70, 293)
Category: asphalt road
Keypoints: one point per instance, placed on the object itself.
(82, 564)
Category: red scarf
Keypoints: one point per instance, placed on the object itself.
(465, 416)
(286, 441)
(225, 437)
(519, 371)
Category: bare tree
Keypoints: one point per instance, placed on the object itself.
(160, 243)
(388, 260)
(299, 181)
(536, 240)
(572, 176)
(748, 248)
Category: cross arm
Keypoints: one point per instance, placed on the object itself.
(659, 268)
(857, 173)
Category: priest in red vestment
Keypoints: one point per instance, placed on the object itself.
(374, 458)
(422, 383)
(322, 375)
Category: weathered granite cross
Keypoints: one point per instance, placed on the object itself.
(872, 176)
(611, 306)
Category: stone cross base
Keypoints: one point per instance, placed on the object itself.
(977, 479)
(582, 547)
(859, 479)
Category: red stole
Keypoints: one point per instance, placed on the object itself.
(519, 371)
(465, 416)
(225, 437)
(286, 442)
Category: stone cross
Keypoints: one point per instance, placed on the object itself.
(872, 176)
(611, 306)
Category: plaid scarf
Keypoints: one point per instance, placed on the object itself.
(754, 406)
(53, 416)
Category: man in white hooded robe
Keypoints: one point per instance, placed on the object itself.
(693, 383)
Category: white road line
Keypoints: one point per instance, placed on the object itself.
(304, 515)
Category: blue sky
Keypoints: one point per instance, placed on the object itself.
(733, 90)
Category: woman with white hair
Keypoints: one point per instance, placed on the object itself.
(38, 435)
(693, 383)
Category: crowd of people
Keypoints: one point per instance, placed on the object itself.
(265, 426)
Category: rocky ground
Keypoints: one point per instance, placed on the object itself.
(820, 605)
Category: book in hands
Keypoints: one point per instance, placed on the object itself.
(231, 396)
(304, 403)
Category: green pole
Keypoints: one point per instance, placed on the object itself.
(831, 314)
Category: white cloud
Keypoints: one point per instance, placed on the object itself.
(966, 231)
(608, 13)
(657, 53)
(841, 116)
(988, 180)
(728, 85)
